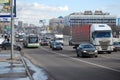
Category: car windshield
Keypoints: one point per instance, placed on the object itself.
(103, 34)
(88, 46)
(56, 43)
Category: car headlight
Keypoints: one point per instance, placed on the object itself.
(95, 51)
(84, 51)
(113, 46)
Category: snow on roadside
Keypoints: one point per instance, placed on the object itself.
(39, 73)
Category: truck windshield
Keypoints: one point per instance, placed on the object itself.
(103, 34)
(59, 38)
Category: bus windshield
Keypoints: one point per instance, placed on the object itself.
(103, 34)
(21, 36)
(33, 40)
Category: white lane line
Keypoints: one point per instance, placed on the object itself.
(101, 66)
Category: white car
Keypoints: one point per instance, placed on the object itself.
(1, 41)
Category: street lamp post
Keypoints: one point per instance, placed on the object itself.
(12, 29)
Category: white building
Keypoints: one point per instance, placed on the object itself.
(89, 17)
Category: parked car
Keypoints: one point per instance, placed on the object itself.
(7, 46)
(116, 46)
(86, 49)
(44, 42)
(57, 45)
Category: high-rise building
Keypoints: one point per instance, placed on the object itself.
(25, 25)
(20, 24)
(118, 21)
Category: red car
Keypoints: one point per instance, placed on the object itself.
(44, 42)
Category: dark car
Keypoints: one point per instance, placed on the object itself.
(116, 46)
(7, 46)
(86, 49)
(57, 45)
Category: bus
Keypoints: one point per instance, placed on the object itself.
(31, 41)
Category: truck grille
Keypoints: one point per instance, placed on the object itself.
(104, 45)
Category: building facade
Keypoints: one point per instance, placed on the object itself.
(20, 24)
(56, 25)
(89, 17)
(118, 21)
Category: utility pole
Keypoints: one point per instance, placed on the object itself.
(12, 30)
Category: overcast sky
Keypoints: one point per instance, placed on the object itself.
(31, 11)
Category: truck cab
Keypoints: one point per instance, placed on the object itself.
(59, 38)
(101, 36)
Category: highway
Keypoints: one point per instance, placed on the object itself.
(64, 65)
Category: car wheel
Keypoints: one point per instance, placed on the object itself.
(114, 50)
(4, 48)
(96, 56)
(19, 48)
(81, 54)
(109, 52)
(78, 55)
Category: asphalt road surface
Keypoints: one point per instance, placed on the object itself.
(64, 65)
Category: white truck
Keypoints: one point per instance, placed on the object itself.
(59, 38)
(99, 35)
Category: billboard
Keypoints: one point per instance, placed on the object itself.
(5, 10)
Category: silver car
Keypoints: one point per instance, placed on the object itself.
(116, 46)
(86, 49)
(57, 46)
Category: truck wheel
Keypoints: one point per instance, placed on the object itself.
(78, 55)
(109, 52)
(96, 56)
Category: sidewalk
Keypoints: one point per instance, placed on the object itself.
(15, 69)
(12, 69)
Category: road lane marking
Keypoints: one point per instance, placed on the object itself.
(76, 59)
